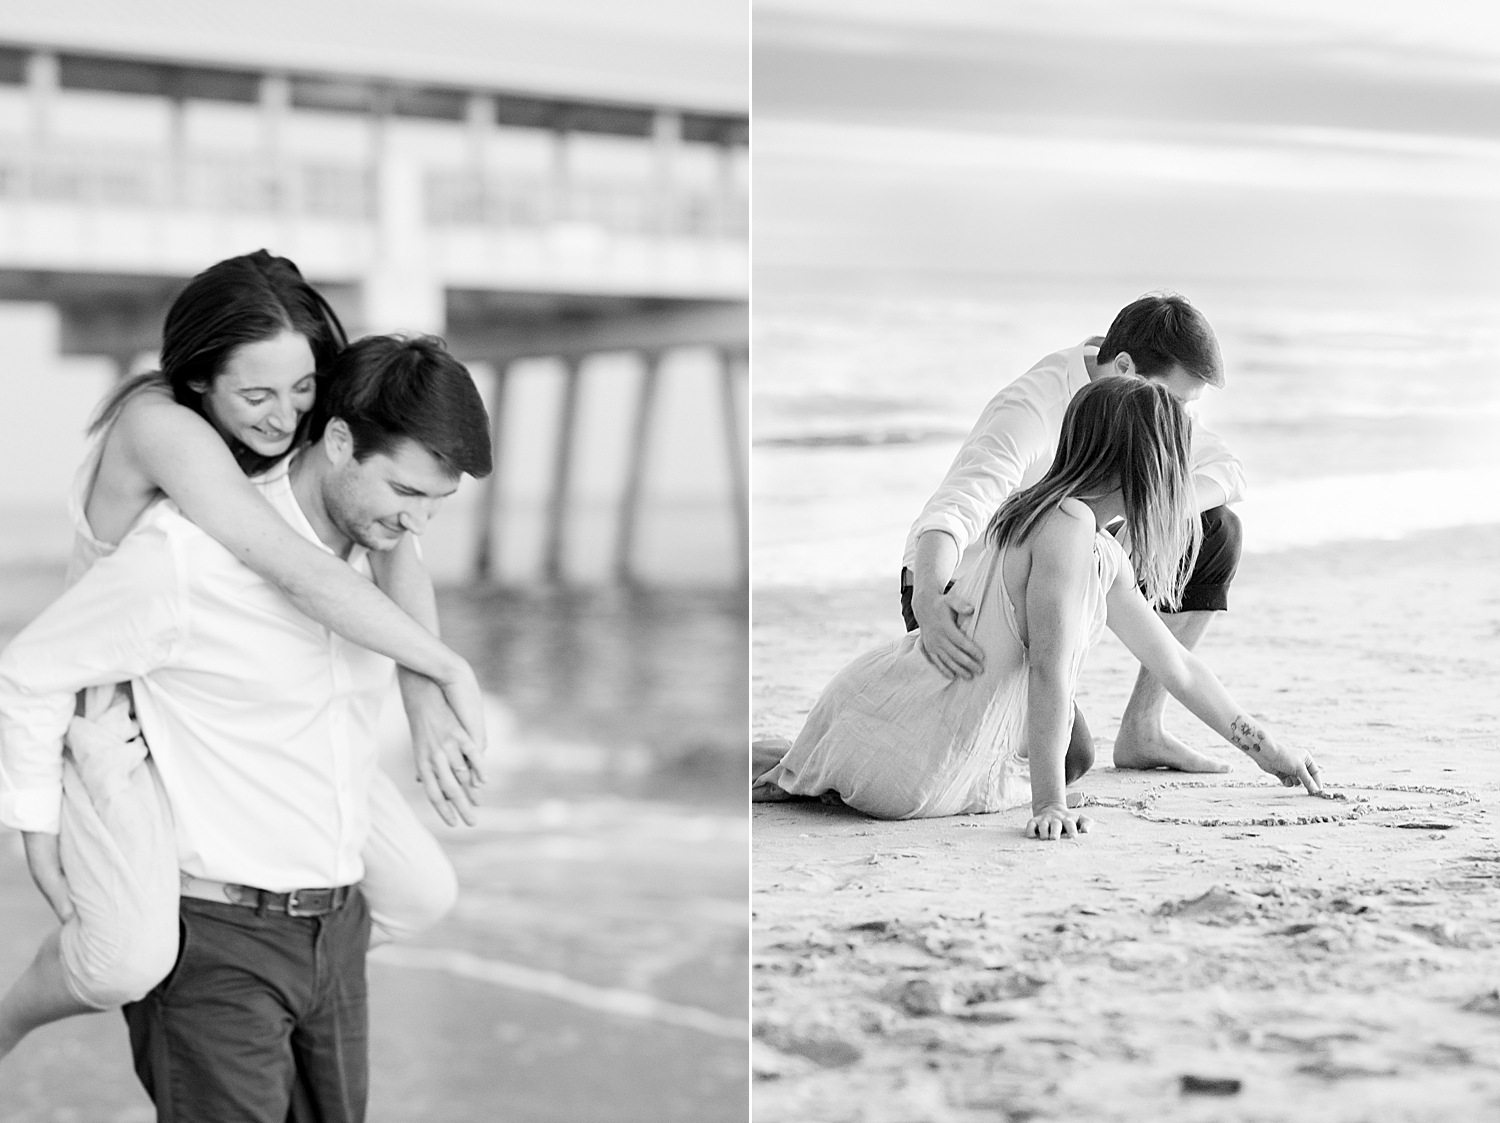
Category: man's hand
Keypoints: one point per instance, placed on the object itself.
(44, 859)
(449, 764)
(941, 638)
(1055, 821)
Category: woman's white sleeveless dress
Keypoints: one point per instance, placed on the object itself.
(119, 849)
(897, 739)
(117, 844)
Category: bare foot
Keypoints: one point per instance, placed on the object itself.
(1162, 750)
(766, 754)
(770, 793)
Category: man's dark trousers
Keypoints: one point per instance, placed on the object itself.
(263, 1020)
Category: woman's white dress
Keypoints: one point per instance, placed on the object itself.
(897, 739)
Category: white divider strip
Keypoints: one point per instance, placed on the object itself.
(607, 1000)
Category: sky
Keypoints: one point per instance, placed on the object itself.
(686, 53)
(1303, 143)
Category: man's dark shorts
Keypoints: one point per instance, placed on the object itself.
(1208, 586)
(263, 1019)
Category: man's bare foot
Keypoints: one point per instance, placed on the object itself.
(1161, 750)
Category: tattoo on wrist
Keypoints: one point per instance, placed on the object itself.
(1246, 736)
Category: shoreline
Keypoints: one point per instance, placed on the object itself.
(949, 969)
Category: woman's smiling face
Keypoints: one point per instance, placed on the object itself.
(262, 392)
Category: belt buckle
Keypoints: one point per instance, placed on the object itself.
(293, 906)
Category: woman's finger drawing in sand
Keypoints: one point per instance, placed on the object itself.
(897, 739)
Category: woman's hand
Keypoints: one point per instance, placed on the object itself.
(1291, 768)
(461, 690)
(449, 764)
(44, 859)
(1056, 820)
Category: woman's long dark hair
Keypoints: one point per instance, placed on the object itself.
(1131, 434)
(244, 299)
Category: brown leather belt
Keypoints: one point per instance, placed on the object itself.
(297, 902)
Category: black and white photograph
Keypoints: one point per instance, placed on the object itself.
(1124, 561)
(374, 561)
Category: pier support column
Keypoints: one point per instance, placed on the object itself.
(491, 504)
(734, 445)
(42, 82)
(562, 473)
(402, 293)
(666, 139)
(635, 467)
(559, 202)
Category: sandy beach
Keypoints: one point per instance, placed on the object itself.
(1268, 967)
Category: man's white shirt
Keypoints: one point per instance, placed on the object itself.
(261, 721)
(1012, 445)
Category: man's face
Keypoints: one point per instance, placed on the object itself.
(377, 500)
(1180, 384)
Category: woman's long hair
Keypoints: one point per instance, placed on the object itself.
(241, 300)
(1131, 434)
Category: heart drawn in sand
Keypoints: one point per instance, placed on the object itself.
(1207, 803)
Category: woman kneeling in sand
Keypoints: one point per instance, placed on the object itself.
(897, 739)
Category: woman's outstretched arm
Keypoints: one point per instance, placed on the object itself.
(1188, 679)
(449, 766)
(181, 453)
(1062, 561)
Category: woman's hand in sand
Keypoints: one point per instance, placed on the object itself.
(1054, 821)
(1291, 768)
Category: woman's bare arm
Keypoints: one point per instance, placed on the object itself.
(1062, 563)
(181, 453)
(449, 765)
(1189, 680)
(44, 858)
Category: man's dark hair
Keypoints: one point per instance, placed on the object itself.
(387, 389)
(1160, 330)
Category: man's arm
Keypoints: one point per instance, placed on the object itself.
(1009, 438)
(1218, 476)
(448, 762)
(120, 621)
(940, 615)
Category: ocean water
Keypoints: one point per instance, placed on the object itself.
(604, 885)
(1358, 412)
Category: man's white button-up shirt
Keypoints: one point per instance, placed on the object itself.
(1012, 445)
(261, 722)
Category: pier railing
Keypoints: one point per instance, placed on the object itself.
(348, 191)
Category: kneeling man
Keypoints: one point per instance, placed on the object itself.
(1161, 337)
(262, 725)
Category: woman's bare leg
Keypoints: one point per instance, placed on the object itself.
(1080, 756)
(39, 996)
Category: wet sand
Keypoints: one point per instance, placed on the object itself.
(594, 968)
(1161, 968)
